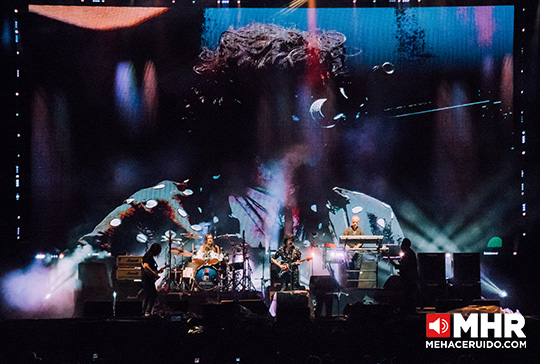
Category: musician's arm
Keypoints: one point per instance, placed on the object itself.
(392, 261)
(146, 268)
(274, 261)
(281, 266)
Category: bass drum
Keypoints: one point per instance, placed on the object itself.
(207, 278)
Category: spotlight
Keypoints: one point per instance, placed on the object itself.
(503, 294)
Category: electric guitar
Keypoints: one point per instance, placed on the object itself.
(151, 273)
(288, 266)
(385, 253)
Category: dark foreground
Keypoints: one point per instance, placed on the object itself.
(232, 334)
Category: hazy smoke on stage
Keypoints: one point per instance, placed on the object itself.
(47, 287)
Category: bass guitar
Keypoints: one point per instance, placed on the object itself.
(150, 273)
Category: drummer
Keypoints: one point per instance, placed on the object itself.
(209, 251)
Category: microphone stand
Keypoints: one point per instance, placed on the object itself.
(169, 280)
(291, 268)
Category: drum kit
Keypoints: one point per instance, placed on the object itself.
(197, 271)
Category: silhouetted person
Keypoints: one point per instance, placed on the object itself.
(408, 273)
(150, 274)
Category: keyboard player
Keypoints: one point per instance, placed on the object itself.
(354, 229)
(354, 258)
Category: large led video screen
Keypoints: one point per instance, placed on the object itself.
(259, 121)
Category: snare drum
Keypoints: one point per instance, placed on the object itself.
(207, 278)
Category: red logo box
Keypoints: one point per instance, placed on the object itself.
(438, 325)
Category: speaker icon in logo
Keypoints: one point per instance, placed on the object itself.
(438, 325)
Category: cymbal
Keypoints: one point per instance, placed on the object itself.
(229, 237)
(181, 252)
(191, 236)
(173, 240)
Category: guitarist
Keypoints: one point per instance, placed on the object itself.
(408, 273)
(150, 275)
(291, 257)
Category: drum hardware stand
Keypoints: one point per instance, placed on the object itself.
(246, 282)
(169, 238)
(338, 296)
(224, 282)
(172, 282)
(263, 280)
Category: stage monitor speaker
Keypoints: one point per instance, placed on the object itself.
(467, 291)
(361, 315)
(448, 304)
(292, 307)
(322, 284)
(176, 303)
(94, 274)
(127, 290)
(430, 292)
(128, 308)
(97, 309)
(466, 267)
(432, 267)
(254, 306)
(220, 315)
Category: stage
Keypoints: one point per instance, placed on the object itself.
(231, 327)
(229, 334)
(130, 125)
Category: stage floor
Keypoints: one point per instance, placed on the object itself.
(227, 333)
